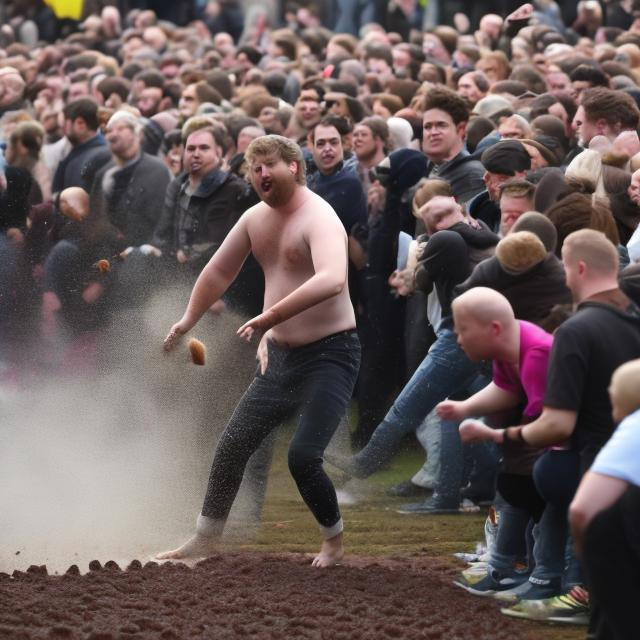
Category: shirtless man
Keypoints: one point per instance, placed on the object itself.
(309, 353)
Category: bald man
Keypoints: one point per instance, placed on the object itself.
(488, 330)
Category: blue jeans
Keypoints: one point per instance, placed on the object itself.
(314, 382)
(556, 475)
(444, 370)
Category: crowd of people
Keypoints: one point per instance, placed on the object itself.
(486, 174)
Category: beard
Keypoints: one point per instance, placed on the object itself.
(279, 194)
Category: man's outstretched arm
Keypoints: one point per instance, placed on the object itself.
(214, 280)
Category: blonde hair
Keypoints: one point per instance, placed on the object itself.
(587, 168)
(625, 387)
(285, 149)
(520, 251)
(427, 189)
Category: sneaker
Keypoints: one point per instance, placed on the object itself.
(427, 507)
(476, 569)
(532, 589)
(408, 489)
(569, 608)
(492, 583)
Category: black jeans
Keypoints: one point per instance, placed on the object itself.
(612, 564)
(314, 382)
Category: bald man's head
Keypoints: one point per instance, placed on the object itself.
(483, 320)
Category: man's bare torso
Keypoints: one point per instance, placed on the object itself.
(280, 243)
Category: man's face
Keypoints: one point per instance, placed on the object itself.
(509, 129)
(441, 137)
(493, 181)
(468, 89)
(149, 101)
(77, 90)
(558, 81)
(471, 335)
(308, 111)
(510, 210)
(122, 140)
(75, 130)
(585, 129)
(269, 119)
(579, 86)
(201, 154)
(634, 189)
(379, 66)
(327, 148)
(365, 144)
(273, 179)
(189, 103)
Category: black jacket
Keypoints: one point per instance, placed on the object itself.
(129, 212)
(81, 164)
(464, 174)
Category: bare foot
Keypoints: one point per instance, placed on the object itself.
(330, 554)
(196, 547)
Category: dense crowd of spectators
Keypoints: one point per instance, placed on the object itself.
(486, 169)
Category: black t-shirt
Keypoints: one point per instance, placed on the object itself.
(587, 349)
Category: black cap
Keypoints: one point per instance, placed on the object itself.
(506, 157)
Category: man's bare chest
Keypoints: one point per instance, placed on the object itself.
(282, 246)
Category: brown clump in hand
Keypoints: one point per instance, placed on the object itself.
(102, 265)
(197, 351)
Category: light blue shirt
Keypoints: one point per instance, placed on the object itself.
(620, 457)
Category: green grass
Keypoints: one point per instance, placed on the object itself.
(372, 527)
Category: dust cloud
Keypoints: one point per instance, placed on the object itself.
(112, 465)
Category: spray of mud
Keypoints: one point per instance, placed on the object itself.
(113, 465)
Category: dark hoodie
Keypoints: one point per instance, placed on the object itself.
(449, 257)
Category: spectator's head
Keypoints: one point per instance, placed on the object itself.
(485, 324)
(202, 153)
(624, 390)
(478, 128)
(326, 146)
(149, 101)
(515, 126)
(193, 95)
(80, 120)
(123, 136)
(473, 86)
(114, 91)
(429, 188)
(634, 188)
(12, 86)
(247, 135)
(444, 123)
(520, 251)
(275, 168)
(275, 120)
(578, 211)
(440, 213)
(307, 108)
(25, 143)
(590, 262)
(400, 133)
(370, 139)
(586, 76)
(495, 65)
(605, 112)
(505, 159)
(172, 150)
(540, 225)
(516, 198)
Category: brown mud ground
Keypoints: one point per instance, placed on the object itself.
(395, 582)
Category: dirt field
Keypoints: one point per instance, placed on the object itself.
(253, 596)
(394, 583)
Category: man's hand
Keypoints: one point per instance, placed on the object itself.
(262, 355)
(476, 431)
(451, 410)
(173, 337)
(260, 324)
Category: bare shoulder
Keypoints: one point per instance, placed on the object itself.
(321, 214)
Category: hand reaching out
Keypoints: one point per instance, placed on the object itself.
(476, 431)
(259, 324)
(451, 410)
(174, 335)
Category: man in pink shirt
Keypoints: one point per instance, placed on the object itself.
(488, 330)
